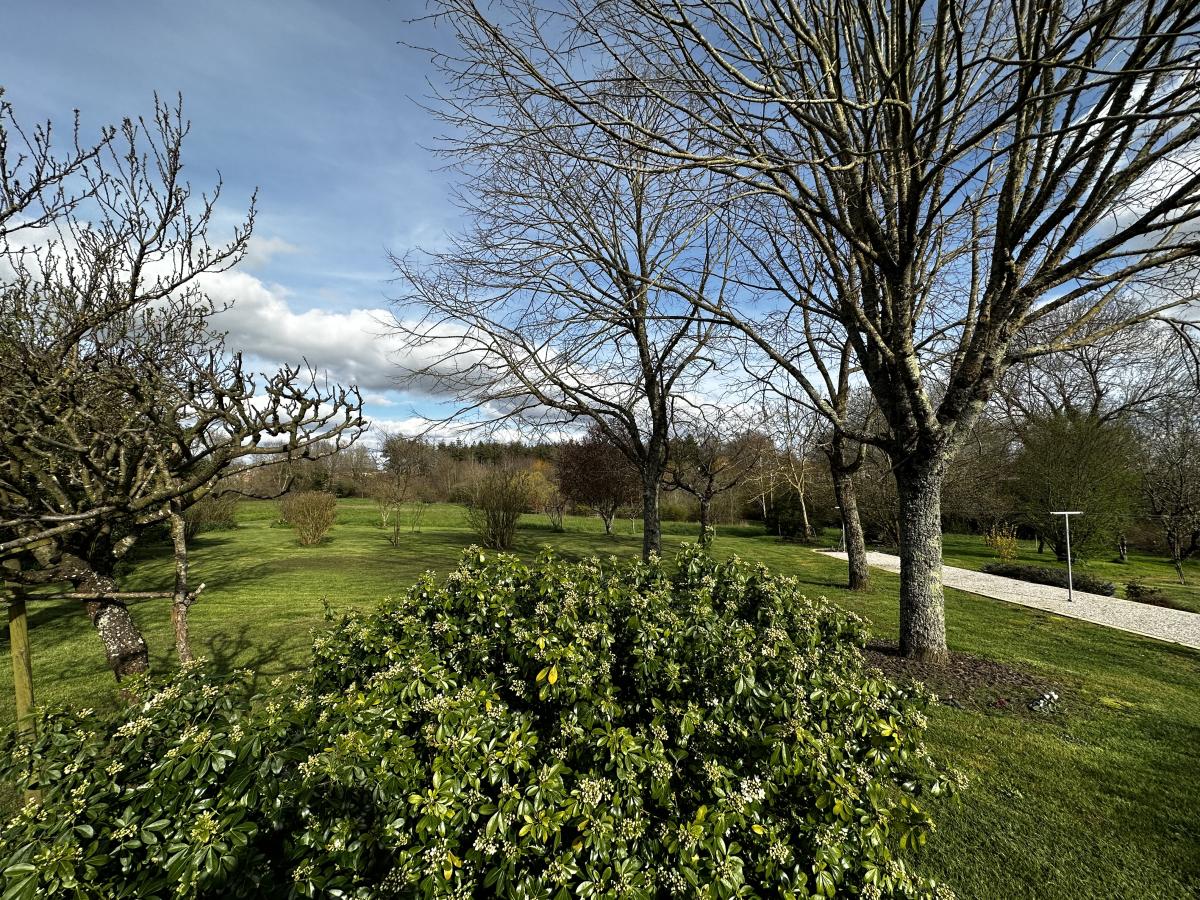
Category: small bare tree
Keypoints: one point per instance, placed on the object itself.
(705, 464)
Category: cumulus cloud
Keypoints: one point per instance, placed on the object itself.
(352, 345)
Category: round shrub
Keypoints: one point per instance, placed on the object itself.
(311, 513)
(544, 731)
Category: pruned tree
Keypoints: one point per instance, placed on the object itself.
(594, 473)
(119, 404)
(575, 295)
(968, 173)
(706, 464)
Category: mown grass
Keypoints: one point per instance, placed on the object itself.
(1100, 799)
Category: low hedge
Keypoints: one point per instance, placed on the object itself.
(543, 731)
(1053, 577)
(1140, 592)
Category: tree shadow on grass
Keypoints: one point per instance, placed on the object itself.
(227, 652)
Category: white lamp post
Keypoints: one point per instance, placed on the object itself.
(1066, 514)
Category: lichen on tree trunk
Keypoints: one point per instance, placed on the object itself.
(922, 601)
(182, 601)
(124, 647)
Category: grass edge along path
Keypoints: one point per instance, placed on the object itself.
(1172, 626)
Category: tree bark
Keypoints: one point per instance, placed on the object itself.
(806, 528)
(124, 646)
(181, 602)
(651, 524)
(859, 575)
(922, 602)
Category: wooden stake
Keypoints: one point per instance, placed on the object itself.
(22, 661)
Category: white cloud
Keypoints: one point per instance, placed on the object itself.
(264, 249)
(351, 345)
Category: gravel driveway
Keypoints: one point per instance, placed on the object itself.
(1172, 625)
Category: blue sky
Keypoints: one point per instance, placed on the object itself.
(313, 103)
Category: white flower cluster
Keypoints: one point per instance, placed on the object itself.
(593, 791)
(134, 727)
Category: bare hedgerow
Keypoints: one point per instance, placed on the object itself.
(311, 513)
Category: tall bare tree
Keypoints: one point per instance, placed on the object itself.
(982, 169)
(577, 292)
(1136, 372)
(793, 350)
(119, 404)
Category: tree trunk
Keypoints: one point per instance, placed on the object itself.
(607, 517)
(859, 578)
(922, 603)
(706, 529)
(181, 602)
(1041, 539)
(806, 528)
(124, 646)
(651, 525)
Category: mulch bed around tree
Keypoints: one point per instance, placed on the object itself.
(966, 680)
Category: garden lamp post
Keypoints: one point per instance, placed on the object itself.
(1066, 514)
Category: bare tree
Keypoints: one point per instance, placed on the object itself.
(706, 463)
(967, 171)
(594, 473)
(38, 184)
(576, 294)
(1171, 479)
(1131, 373)
(795, 432)
(119, 405)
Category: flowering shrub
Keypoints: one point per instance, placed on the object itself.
(1002, 540)
(547, 731)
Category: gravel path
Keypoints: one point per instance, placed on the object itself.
(1172, 625)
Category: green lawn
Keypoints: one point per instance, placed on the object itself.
(969, 551)
(1100, 799)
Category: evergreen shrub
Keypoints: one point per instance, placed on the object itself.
(550, 730)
